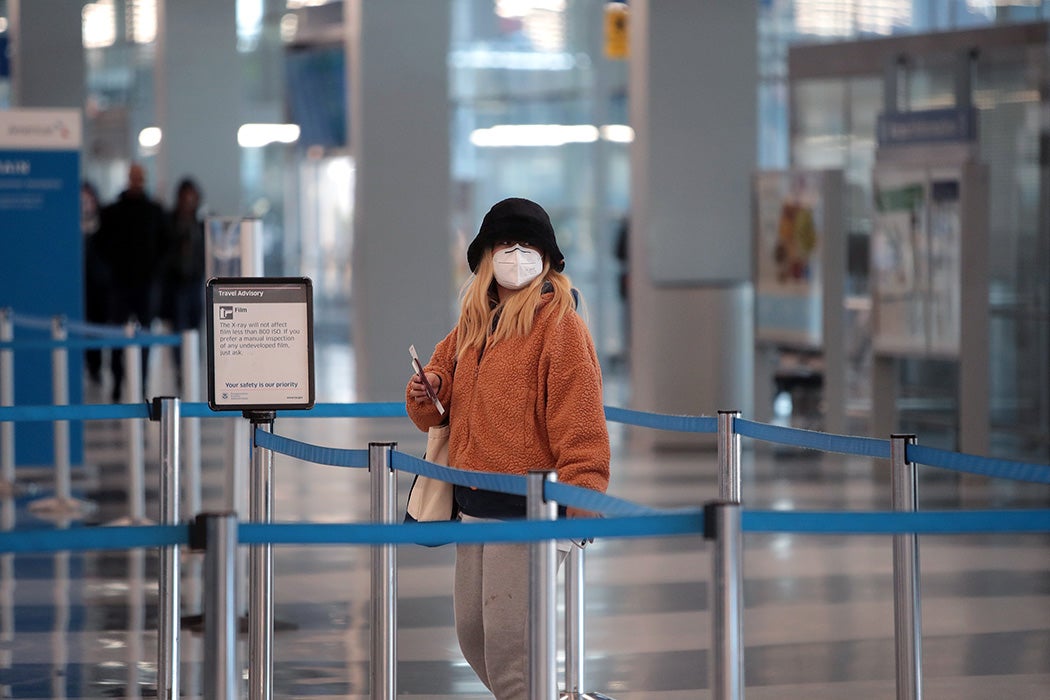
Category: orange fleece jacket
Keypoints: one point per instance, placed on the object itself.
(527, 403)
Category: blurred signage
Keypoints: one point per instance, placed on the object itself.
(616, 30)
(928, 126)
(41, 264)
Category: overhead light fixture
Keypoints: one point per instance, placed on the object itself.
(259, 135)
(526, 135)
(150, 137)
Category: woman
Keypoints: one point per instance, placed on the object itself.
(521, 381)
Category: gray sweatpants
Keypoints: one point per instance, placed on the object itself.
(491, 600)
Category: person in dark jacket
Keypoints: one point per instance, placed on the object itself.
(132, 238)
(183, 303)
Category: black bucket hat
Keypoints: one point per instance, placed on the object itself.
(520, 220)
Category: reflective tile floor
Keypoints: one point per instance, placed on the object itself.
(818, 622)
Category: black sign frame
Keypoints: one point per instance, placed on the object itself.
(241, 292)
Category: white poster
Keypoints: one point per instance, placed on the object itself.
(789, 237)
(260, 343)
(916, 268)
(898, 243)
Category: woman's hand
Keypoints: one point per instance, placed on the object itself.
(418, 392)
(574, 512)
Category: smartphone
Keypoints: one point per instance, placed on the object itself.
(417, 367)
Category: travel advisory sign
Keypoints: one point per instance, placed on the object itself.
(260, 343)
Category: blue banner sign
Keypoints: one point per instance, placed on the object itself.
(952, 125)
(41, 267)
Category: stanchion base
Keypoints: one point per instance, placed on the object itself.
(195, 623)
(565, 695)
(61, 508)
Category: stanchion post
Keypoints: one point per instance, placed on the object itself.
(543, 568)
(907, 610)
(723, 525)
(60, 631)
(60, 397)
(62, 505)
(574, 624)
(7, 398)
(191, 392)
(260, 568)
(168, 627)
(575, 637)
(136, 624)
(383, 481)
(728, 457)
(7, 596)
(136, 449)
(220, 623)
(235, 493)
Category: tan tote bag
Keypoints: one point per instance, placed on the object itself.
(432, 499)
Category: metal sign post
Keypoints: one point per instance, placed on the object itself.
(260, 360)
(260, 569)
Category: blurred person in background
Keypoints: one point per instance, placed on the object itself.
(183, 283)
(96, 274)
(132, 238)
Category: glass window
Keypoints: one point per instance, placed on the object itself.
(533, 96)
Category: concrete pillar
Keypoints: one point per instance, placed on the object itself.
(47, 53)
(197, 101)
(693, 81)
(399, 137)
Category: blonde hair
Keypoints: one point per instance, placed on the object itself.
(516, 314)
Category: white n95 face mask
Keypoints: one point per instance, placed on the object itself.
(515, 267)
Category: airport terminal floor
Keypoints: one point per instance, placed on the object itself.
(818, 620)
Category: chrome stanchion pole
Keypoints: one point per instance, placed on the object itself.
(728, 457)
(723, 525)
(543, 596)
(136, 621)
(235, 490)
(168, 627)
(727, 647)
(575, 646)
(260, 567)
(7, 398)
(220, 609)
(136, 447)
(7, 597)
(62, 504)
(60, 397)
(574, 642)
(907, 621)
(383, 481)
(60, 633)
(191, 461)
(191, 392)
